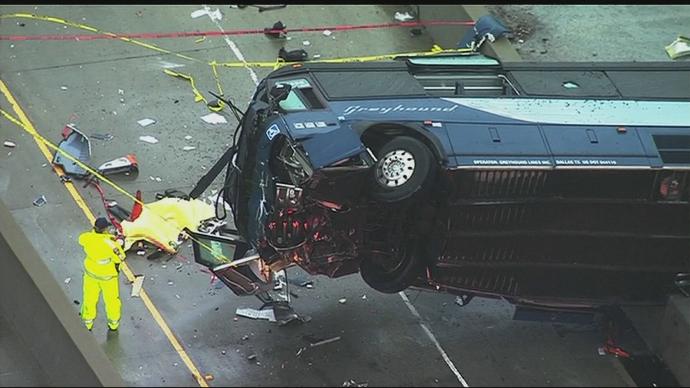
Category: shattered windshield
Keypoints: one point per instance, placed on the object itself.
(294, 102)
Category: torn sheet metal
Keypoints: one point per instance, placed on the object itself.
(76, 144)
(161, 222)
(266, 314)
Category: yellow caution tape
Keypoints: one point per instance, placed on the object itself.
(95, 173)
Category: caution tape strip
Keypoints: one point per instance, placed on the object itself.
(279, 62)
(204, 34)
(95, 173)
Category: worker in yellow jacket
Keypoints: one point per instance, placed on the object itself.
(101, 269)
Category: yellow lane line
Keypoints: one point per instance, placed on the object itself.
(89, 215)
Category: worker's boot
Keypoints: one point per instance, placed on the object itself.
(113, 325)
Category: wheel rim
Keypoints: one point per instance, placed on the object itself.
(395, 169)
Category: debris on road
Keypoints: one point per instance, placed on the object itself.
(188, 148)
(342, 301)
(323, 342)
(9, 144)
(40, 201)
(251, 357)
(68, 280)
(277, 31)
(102, 136)
(188, 137)
(148, 139)
(214, 118)
(364, 297)
(309, 286)
(203, 38)
(137, 284)
(327, 32)
(353, 383)
(63, 87)
(266, 314)
(75, 143)
(316, 56)
(679, 47)
(486, 27)
(306, 42)
(208, 377)
(403, 16)
(146, 122)
(293, 56)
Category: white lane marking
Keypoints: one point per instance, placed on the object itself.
(433, 339)
(233, 46)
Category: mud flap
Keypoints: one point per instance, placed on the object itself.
(218, 253)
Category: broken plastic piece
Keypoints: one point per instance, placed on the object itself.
(40, 201)
(146, 122)
(9, 144)
(76, 144)
(214, 118)
(148, 139)
(342, 300)
(679, 47)
(403, 16)
(136, 285)
(188, 148)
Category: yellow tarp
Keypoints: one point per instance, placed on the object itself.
(161, 222)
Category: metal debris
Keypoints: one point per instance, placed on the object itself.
(353, 383)
(148, 139)
(63, 87)
(306, 42)
(188, 137)
(9, 144)
(137, 284)
(323, 342)
(40, 201)
(146, 122)
(679, 47)
(342, 300)
(68, 280)
(188, 148)
(327, 32)
(267, 314)
(251, 357)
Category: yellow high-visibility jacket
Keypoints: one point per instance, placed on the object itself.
(102, 253)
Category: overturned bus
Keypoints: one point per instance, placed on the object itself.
(559, 185)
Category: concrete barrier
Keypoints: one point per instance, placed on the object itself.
(449, 36)
(42, 317)
(675, 338)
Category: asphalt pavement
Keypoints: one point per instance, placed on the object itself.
(104, 86)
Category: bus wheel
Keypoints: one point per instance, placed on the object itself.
(392, 274)
(404, 165)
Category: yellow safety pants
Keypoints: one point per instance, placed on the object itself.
(111, 296)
